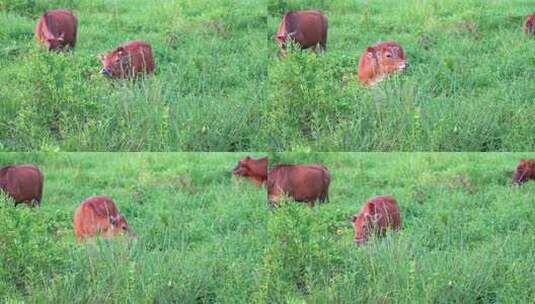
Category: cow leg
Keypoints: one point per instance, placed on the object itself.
(272, 204)
(324, 197)
(323, 46)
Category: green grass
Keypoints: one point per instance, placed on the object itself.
(207, 237)
(469, 87)
(207, 94)
(220, 86)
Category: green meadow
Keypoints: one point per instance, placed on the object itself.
(205, 236)
(207, 93)
(220, 85)
(469, 86)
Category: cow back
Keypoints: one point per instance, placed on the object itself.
(301, 182)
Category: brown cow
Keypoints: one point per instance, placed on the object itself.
(379, 60)
(57, 29)
(303, 183)
(376, 216)
(254, 169)
(529, 25)
(306, 28)
(524, 171)
(23, 183)
(130, 59)
(98, 215)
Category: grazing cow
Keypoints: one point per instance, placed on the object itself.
(23, 183)
(524, 171)
(98, 215)
(254, 169)
(130, 59)
(379, 60)
(376, 216)
(303, 183)
(57, 29)
(306, 28)
(529, 25)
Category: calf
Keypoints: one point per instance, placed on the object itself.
(130, 59)
(378, 214)
(379, 60)
(524, 171)
(303, 183)
(57, 29)
(307, 28)
(98, 215)
(23, 183)
(529, 25)
(253, 169)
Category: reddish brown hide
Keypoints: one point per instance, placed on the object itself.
(378, 214)
(529, 24)
(303, 183)
(130, 59)
(57, 29)
(98, 215)
(306, 28)
(379, 60)
(23, 183)
(253, 169)
(524, 171)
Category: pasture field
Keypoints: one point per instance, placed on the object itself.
(208, 91)
(207, 237)
(220, 86)
(469, 86)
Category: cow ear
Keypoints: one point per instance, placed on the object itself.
(522, 162)
(370, 51)
(371, 207)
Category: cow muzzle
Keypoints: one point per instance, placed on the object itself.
(359, 242)
(236, 171)
(105, 72)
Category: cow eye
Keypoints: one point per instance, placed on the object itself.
(388, 55)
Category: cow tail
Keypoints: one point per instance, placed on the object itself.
(40, 189)
(325, 28)
(326, 182)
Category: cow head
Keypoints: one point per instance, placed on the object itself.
(522, 172)
(253, 168)
(388, 56)
(115, 63)
(55, 42)
(529, 26)
(3, 173)
(120, 225)
(364, 223)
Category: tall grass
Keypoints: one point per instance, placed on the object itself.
(220, 85)
(205, 236)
